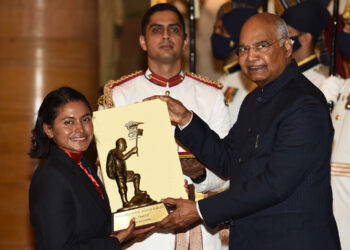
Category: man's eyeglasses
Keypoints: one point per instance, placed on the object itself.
(261, 46)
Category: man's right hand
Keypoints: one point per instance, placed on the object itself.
(177, 111)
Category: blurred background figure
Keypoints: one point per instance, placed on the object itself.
(306, 20)
(338, 89)
(224, 41)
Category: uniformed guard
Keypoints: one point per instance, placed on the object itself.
(306, 20)
(340, 161)
(340, 165)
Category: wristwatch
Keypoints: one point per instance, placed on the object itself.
(201, 177)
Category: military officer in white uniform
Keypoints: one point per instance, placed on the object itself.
(340, 165)
(163, 38)
(338, 91)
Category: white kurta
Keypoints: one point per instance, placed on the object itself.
(341, 154)
(207, 102)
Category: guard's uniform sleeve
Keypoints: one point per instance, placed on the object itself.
(331, 87)
(220, 120)
(212, 183)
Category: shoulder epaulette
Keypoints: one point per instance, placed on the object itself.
(205, 80)
(106, 98)
(100, 100)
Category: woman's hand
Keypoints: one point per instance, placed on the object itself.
(131, 232)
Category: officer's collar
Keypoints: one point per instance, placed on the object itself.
(308, 62)
(231, 67)
(161, 81)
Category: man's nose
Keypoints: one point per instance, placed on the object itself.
(251, 54)
(166, 34)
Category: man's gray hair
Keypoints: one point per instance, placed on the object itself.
(282, 31)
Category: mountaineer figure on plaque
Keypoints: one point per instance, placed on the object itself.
(116, 169)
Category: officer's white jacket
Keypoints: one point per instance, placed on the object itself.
(337, 90)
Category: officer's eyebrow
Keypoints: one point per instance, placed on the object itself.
(162, 25)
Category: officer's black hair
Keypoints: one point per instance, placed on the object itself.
(158, 8)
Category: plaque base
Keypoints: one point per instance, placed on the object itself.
(146, 215)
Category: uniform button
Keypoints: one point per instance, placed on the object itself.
(167, 93)
(249, 130)
(337, 117)
(239, 160)
(347, 106)
(259, 99)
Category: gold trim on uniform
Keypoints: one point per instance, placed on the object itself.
(205, 79)
(107, 90)
(100, 100)
(346, 13)
(186, 156)
(340, 169)
(227, 66)
(307, 59)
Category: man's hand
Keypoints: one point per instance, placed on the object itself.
(186, 186)
(184, 215)
(131, 232)
(192, 168)
(177, 111)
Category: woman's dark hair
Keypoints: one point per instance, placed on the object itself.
(47, 113)
(157, 8)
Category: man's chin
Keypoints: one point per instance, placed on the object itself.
(168, 59)
(258, 79)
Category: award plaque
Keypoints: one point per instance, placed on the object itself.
(139, 161)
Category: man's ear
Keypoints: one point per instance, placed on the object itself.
(305, 39)
(142, 41)
(186, 41)
(288, 47)
(48, 130)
